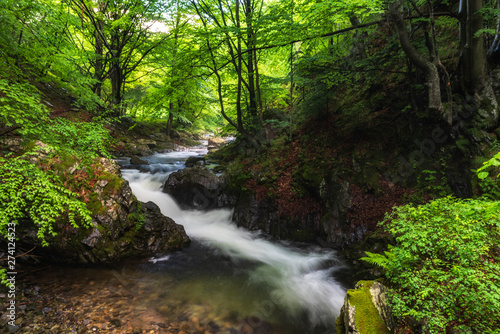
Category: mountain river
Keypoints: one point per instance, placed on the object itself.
(228, 281)
(261, 285)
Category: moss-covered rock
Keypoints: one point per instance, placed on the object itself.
(365, 310)
(121, 225)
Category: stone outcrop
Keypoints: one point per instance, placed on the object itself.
(365, 310)
(336, 198)
(122, 226)
(199, 188)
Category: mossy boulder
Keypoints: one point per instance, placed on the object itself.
(121, 225)
(365, 310)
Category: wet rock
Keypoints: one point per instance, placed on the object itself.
(147, 142)
(337, 200)
(13, 328)
(159, 234)
(195, 161)
(256, 214)
(198, 188)
(135, 160)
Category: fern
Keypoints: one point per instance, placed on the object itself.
(379, 259)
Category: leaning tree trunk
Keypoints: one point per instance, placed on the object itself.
(425, 65)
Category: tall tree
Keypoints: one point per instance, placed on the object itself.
(122, 37)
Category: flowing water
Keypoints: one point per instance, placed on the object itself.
(236, 280)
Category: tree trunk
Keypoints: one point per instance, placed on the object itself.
(239, 114)
(99, 64)
(250, 58)
(170, 118)
(425, 65)
(473, 62)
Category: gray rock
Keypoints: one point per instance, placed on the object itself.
(135, 160)
(198, 188)
(195, 161)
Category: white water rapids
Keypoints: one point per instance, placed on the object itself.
(297, 280)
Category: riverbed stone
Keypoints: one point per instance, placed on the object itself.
(216, 142)
(135, 160)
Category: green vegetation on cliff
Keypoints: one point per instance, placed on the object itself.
(444, 267)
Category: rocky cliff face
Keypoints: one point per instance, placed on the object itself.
(122, 226)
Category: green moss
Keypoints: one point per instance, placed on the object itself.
(114, 185)
(368, 320)
(339, 324)
(95, 205)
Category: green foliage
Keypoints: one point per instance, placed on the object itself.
(491, 164)
(28, 192)
(445, 266)
(380, 260)
(489, 184)
(20, 108)
(82, 140)
(431, 185)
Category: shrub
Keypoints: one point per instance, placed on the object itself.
(445, 266)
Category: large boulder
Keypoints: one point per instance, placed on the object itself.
(159, 234)
(121, 226)
(365, 310)
(198, 188)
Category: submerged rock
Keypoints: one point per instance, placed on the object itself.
(135, 160)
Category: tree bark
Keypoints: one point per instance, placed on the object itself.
(170, 118)
(425, 65)
(250, 58)
(474, 57)
(493, 54)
